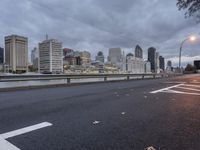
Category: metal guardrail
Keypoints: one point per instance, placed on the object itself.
(12, 78)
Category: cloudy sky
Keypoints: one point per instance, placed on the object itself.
(95, 25)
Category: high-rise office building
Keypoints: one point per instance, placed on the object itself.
(152, 58)
(162, 63)
(50, 56)
(197, 64)
(138, 52)
(1, 55)
(16, 53)
(157, 62)
(115, 55)
(169, 63)
(34, 54)
(100, 57)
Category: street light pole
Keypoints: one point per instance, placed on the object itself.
(191, 38)
(180, 53)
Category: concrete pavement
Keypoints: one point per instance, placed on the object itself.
(119, 116)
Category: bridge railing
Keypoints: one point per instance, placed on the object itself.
(105, 77)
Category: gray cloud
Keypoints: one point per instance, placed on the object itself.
(100, 24)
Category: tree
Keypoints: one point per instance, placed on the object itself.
(192, 7)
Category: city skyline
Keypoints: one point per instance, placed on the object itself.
(81, 29)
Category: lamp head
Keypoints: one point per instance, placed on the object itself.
(192, 38)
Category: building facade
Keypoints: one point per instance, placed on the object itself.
(115, 55)
(16, 53)
(169, 66)
(100, 57)
(134, 65)
(162, 63)
(152, 58)
(1, 55)
(197, 64)
(138, 52)
(34, 54)
(85, 58)
(147, 67)
(157, 63)
(50, 56)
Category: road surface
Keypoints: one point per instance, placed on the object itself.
(132, 115)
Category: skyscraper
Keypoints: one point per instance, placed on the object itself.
(115, 55)
(100, 57)
(1, 55)
(157, 63)
(50, 56)
(16, 53)
(169, 63)
(138, 52)
(162, 63)
(34, 54)
(152, 58)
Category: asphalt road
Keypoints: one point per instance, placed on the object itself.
(106, 116)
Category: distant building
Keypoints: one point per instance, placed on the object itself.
(169, 63)
(68, 57)
(138, 52)
(1, 55)
(134, 64)
(157, 63)
(36, 63)
(34, 54)
(100, 57)
(197, 64)
(16, 53)
(169, 66)
(50, 56)
(152, 58)
(85, 58)
(115, 55)
(99, 65)
(162, 63)
(147, 67)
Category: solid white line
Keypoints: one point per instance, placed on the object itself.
(153, 92)
(178, 92)
(25, 130)
(5, 145)
(188, 89)
(192, 85)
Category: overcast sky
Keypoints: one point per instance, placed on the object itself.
(95, 25)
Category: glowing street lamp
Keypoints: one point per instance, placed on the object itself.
(191, 39)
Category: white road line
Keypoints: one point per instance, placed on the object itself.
(192, 85)
(174, 82)
(5, 145)
(25, 130)
(179, 92)
(188, 89)
(164, 89)
(196, 82)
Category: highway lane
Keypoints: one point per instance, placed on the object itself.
(120, 115)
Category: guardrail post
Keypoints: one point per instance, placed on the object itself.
(68, 80)
(142, 76)
(128, 77)
(105, 78)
